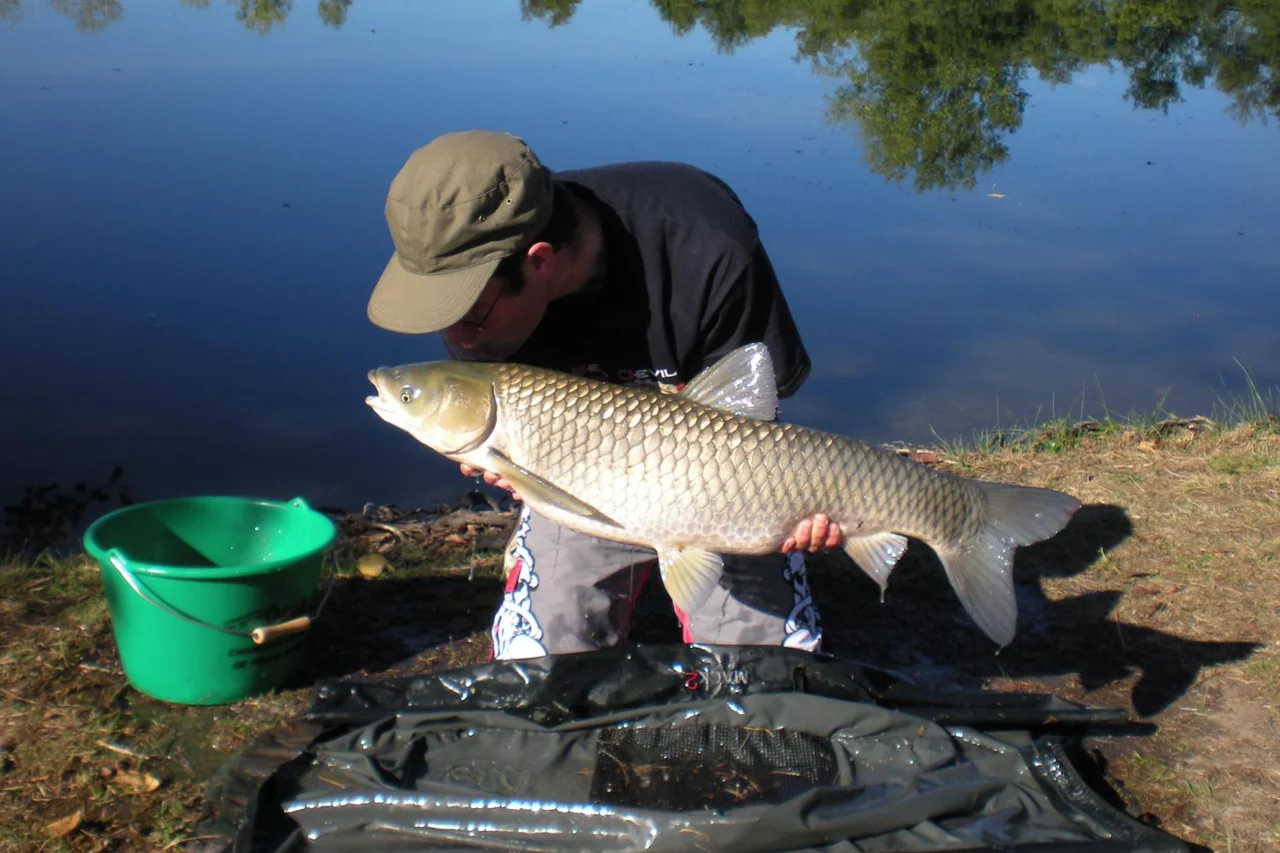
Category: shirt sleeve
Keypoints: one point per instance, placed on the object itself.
(750, 308)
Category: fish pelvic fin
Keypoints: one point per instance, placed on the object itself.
(689, 575)
(982, 572)
(877, 554)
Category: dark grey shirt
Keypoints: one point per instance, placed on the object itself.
(687, 280)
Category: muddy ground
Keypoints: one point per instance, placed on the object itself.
(1161, 597)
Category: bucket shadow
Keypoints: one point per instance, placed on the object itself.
(369, 627)
(921, 630)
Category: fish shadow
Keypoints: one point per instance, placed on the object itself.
(920, 630)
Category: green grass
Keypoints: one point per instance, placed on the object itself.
(1263, 665)
(1059, 433)
(1254, 406)
(1153, 768)
(1244, 463)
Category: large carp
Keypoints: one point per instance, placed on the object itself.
(709, 471)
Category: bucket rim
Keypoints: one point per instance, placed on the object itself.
(103, 554)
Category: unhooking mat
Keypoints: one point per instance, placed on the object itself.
(674, 748)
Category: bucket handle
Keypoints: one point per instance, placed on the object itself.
(261, 635)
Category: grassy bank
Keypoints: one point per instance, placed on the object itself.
(1162, 597)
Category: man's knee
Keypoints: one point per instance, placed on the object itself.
(565, 593)
(761, 601)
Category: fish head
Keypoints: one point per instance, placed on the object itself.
(448, 406)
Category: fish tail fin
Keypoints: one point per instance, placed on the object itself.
(981, 572)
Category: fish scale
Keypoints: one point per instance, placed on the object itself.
(748, 482)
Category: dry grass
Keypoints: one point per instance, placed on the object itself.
(1198, 579)
(89, 764)
(1162, 596)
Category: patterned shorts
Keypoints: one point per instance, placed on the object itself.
(570, 592)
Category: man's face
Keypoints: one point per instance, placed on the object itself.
(500, 321)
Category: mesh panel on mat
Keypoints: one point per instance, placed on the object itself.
(708, 766)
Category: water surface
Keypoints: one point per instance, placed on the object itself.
(983, 215)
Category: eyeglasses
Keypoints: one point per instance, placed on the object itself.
(478, 324)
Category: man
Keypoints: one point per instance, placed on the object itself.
(636, 272)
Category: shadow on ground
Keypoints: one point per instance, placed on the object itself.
(921, 632)
(396, 625)
(400, 626)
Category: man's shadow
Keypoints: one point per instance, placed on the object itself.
(402, 625)
(920, 630)
(922, 627)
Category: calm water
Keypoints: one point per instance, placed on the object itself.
(191, 210)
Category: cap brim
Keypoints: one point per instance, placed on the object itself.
(403, 301)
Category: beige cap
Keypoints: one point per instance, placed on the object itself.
(458, 206)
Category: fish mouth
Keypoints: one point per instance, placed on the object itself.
(379, 402)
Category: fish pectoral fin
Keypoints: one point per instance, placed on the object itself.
(741, 383)
(689, 574)
(530, 485)
(876, 554)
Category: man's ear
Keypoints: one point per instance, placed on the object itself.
(540, 259)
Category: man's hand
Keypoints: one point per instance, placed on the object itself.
(813, 535)
(490, 478)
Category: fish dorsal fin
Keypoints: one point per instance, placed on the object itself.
(741, 383)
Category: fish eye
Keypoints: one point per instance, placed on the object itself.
(406, 394)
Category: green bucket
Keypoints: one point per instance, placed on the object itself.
(208, 595)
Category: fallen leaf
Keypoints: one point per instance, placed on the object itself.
(455, 539)
(120, 749)
(64, 826)
(1147, 445)
(371, 565)
(137, 783)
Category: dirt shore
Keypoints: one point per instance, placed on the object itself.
(1162, 597)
